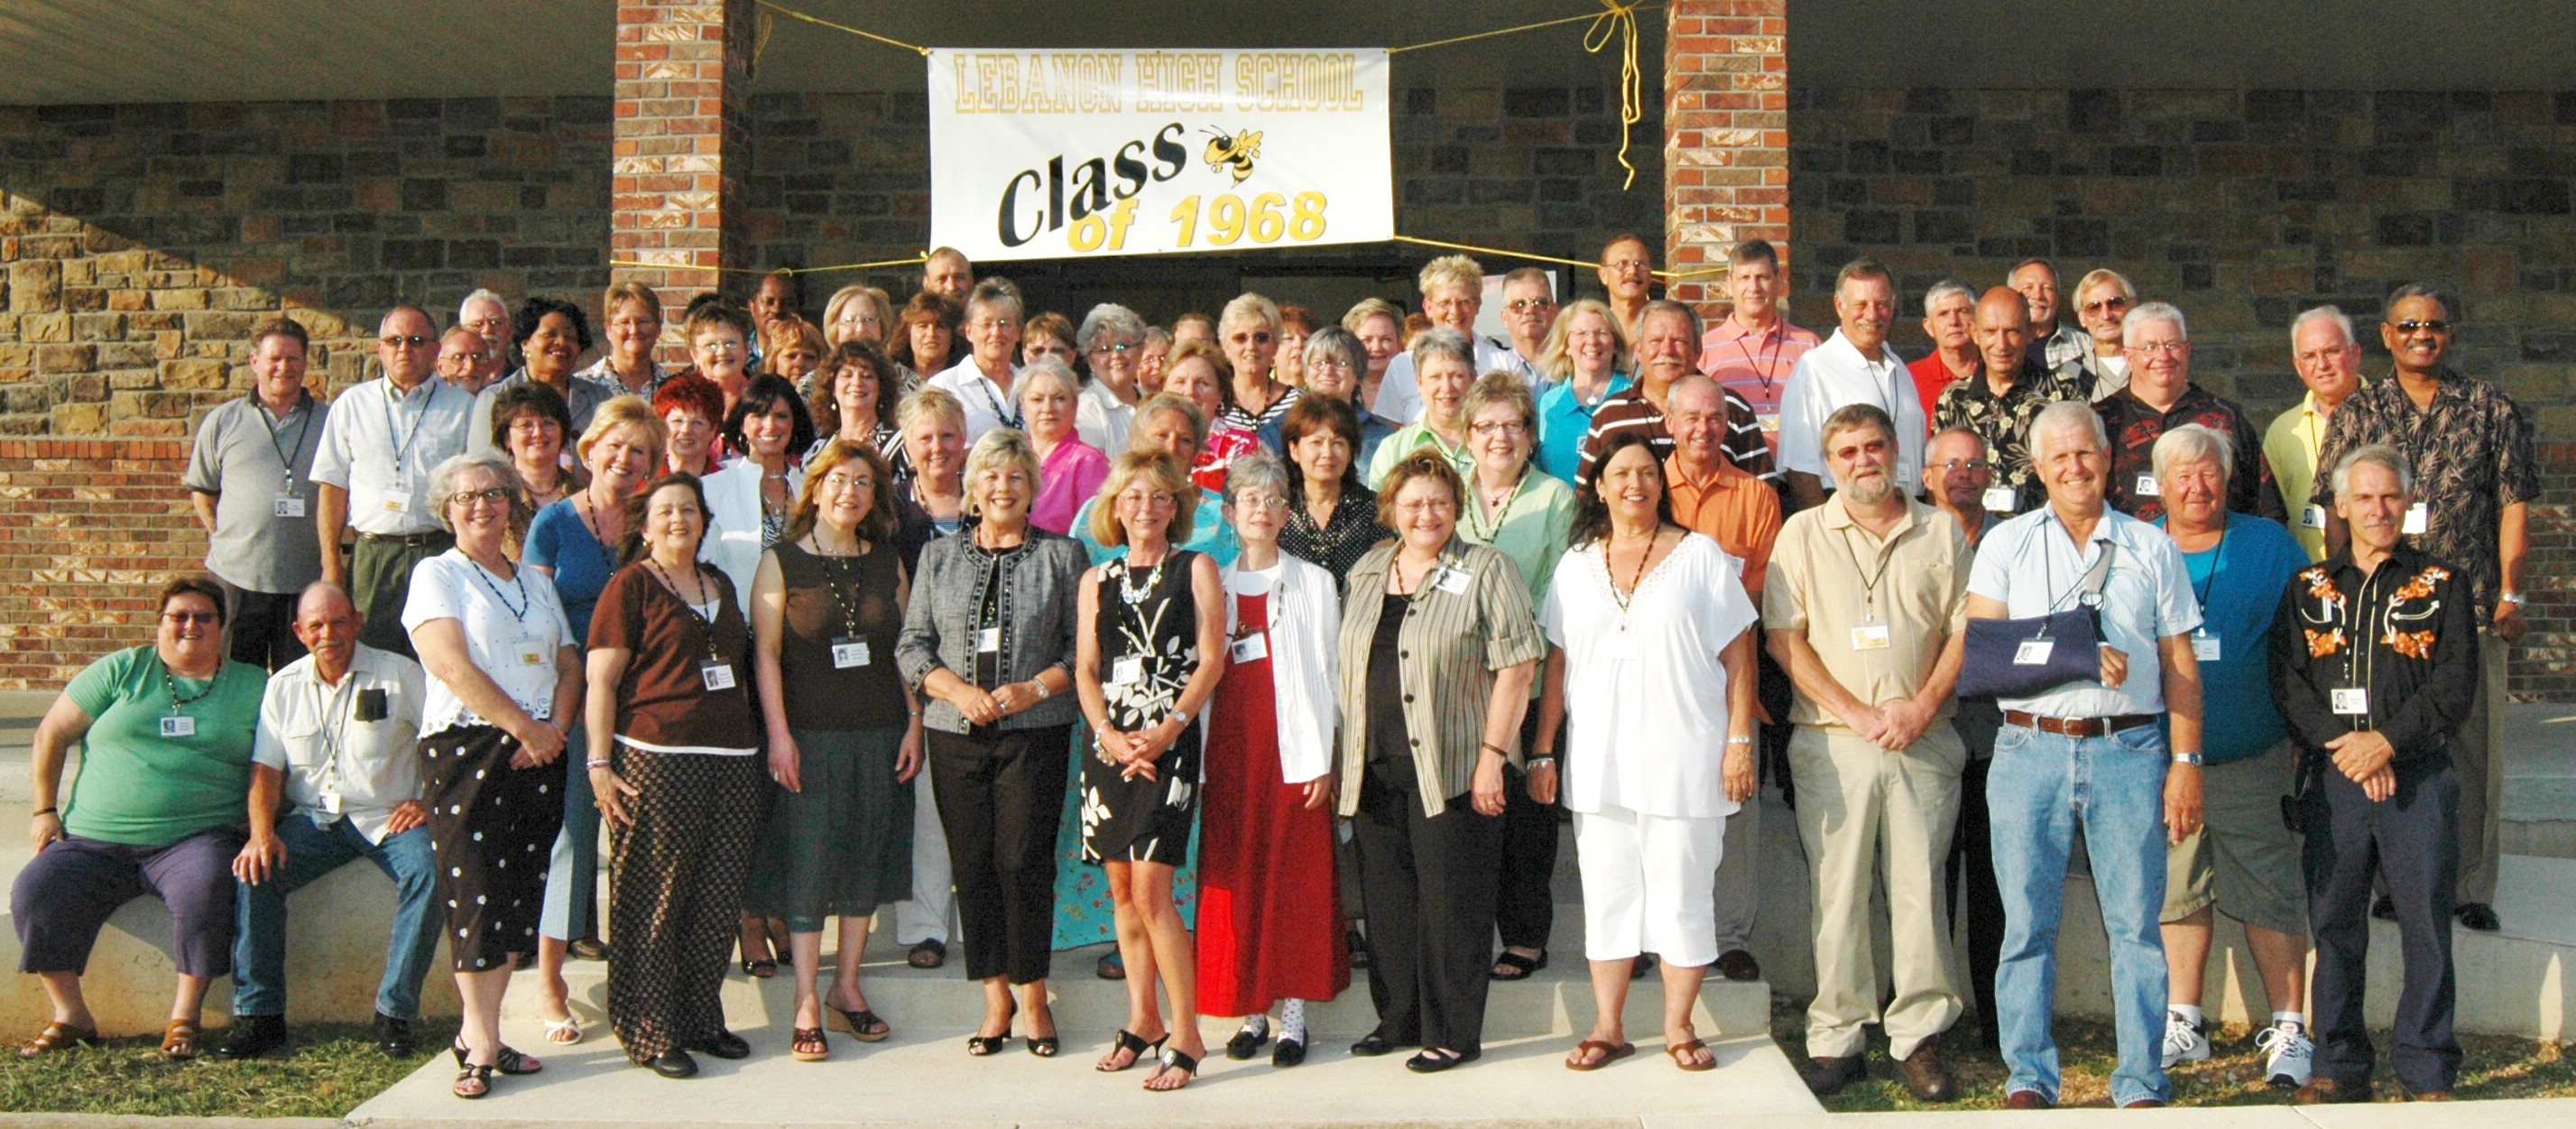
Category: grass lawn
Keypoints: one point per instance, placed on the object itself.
(2494, 1068)
(330, 1069)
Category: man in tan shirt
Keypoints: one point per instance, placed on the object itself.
(1867, 608)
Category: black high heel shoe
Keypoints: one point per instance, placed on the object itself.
(985, 1046)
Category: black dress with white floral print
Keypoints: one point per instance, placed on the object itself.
(1148, 636)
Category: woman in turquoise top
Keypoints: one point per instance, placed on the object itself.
(1582, 357)
(159, 808)
(1528, 515)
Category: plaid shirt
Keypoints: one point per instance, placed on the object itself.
(2134, 428)
(2471, 451)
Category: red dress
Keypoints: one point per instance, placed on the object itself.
(1270, 923)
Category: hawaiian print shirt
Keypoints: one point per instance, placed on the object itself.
(2004, 421)
(2471, 451)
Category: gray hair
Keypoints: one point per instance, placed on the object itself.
(1442, 342)
(2379, 455)
(482, 295)
(998, 449)
(2341, 319)
(2154, 311)
(1938, 436)
(2194, 443)
(1668, 306)
(321, 588)
(2066, 415)
(995, 293)
(1047, 368)
(1257, 470)
(1157, 335)
(1943, 289)
(1340, 344)
(442, 486)
(1110, 319)
(1169, 402)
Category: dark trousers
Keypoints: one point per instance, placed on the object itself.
(262, 626)
(1000, 795)
(1524, 898)
(380, 582)
(675, 894)
(2411, 839)
(1429, 882)
(1972, 863)
(68, 891)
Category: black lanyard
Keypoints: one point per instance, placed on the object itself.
(706, 624)
(393, 419)
(286, 458)
(1869, 588)
(518, 614)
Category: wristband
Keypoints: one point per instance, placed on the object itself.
(44, 811)
(1535, 763)
(1497, 750)
(597, 764)
(1739, 740)
(1043, 692)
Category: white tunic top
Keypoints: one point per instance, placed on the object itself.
(512, 630)
(1305, 616)
(1646, 706)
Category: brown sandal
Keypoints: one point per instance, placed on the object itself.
(1680, 1049)
(179, 1041)
(806, 1044)
(58, 1036)
(1610, 1053)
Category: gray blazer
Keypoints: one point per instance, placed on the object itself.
(1037, 610)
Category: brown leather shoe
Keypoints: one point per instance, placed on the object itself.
(1924, 1075)
(1738, 965)
(2027, 1099)
(2146, 1103)
(2327, 1091)
(2429, 1096)
(1827, 1075)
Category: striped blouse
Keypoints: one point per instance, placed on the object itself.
(1470, 617)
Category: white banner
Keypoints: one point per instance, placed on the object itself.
(1075, 153)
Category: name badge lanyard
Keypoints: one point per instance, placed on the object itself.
(1766, 370)
(845, 596)
(177, 723)
(1009, 416)
(1488, 533)
(393, 424)
(713, 670)
(1872, 634)
(335, 725)
(2204, 645)
(286, 456)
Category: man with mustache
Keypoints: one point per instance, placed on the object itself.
(2469, 446)
(1667, 341)
(2057, 343)
(1854, 366)
(2000, 403)
(2377, 654)
(1866, 606)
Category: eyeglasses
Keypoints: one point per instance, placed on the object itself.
(721, 346)
(838, 481)
(185, 618)
(2167, 348)
(2325, 356)
(1625, 266)
(2412, 326)
(1256, 337)
(2106, 305)
(1430, 507)
(1118, 350)
(493, 496)
(1964, 464)
(1490, 427)
(1525, 305)
(398, 341)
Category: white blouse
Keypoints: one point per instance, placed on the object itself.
(1305, 624)
(1645, 692)
(733, 523)
(512, 630)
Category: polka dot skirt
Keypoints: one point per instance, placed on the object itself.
(491, 828)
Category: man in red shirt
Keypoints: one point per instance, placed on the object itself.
(1752, 352)
(1949, 319)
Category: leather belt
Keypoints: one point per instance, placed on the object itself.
(433, 537)
(2079, 726)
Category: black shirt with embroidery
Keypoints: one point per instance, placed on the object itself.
(2405, 632)
(2471, 452)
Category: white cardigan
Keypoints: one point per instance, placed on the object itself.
(733, 523)
(1305, 626)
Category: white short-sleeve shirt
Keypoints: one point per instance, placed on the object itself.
(1646, 706)
(380, 445)
(1833, 375)
(512, 630)
(338, 762)
(2030, 564)
(988, 405)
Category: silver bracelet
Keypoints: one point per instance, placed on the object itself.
(597, 764)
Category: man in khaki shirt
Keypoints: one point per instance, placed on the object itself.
(1867, 609)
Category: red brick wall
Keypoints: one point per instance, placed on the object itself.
(94, 527)
(1726, 140)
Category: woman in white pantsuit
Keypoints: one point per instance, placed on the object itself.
(1651, 653)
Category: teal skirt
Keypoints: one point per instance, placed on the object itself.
(842, 846)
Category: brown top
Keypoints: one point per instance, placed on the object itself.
(837, 600)
(663, 703)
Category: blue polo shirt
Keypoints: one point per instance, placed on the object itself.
(1563, 421)
(2238, 583)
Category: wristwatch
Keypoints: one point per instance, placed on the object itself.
(2517, 599)
(2192, 759)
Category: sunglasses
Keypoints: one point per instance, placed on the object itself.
(414, 341)
(184, 618)
(2412, 326)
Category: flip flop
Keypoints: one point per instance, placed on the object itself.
(1610, 1053)
(1678, 1050)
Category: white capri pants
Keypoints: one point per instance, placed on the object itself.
(1648, 884)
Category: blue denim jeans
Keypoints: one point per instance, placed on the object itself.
(572, 873)
(259, 954)
(2042, 788)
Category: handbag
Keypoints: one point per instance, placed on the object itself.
(2022, 658)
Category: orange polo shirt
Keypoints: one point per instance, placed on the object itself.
(1740, 512)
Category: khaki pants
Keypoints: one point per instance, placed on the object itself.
(2477, 758)
(1863, 809)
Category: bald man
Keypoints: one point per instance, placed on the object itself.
(2000, 404)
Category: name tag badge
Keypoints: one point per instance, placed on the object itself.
(2349, 701)
(1127, 671)
(717, 675)
(179, 726)
(288, 505)
(397, 502)
(848, 652)
(2033, 652)
(1870, 637)
(1454, 581)
(1251, 648)
(2147, 487)
(2312, 517)
(528, 652)
(1770, 422)
(2418, 519)
(988, 639)
(2204, 646)
(331, 803)
(1999, 499)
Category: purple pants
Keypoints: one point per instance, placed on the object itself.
(71, 887)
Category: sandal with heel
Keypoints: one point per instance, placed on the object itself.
(1136, 1048)
(472, 1082)
(1172, 1060)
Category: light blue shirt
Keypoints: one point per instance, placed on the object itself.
(2030, 563)
(1209, 532)
(1564, 421)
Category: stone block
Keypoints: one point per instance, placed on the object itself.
(66, 358)
(204, 375)
(35, 286)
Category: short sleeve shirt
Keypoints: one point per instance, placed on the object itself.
(259, 467)
(512, 630)
(348, 751)
(2134, 428)
(2033, 566)
(1563, 422)
(380, 445)
(2471, 450)
(1756, 366)
(664, 701)
(2004, 421)
(140, 788)
(2238, 584)
(1531, 527)
(560, 542)
(988, 405)
(1835, 374)
(2290, 446)
(1738, 510)
(1837, 584)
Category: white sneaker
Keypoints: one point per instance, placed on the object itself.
(2184, 1041)
(2289, 1056)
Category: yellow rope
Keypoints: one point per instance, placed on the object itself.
(1536, 258)
(818, 20)
(1522, 28)
(1620, 20)
(915, 260)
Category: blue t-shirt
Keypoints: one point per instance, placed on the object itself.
(2239, 583)
(1564, 421)
(558, 540)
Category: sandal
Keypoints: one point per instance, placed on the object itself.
(1134, 1046)
(1610, 1053)
(806, 1044)
(864, 1025)
(509, 1061)
(1172, 1060)
(1696, 1045)
(984, 1046)
(472, 1082)
(563, 1032)
(57, 1036)
(930, 953)
(179, 1041)
(764, 969)
(1520, 967)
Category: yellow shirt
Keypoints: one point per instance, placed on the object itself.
(1878, 611)
(2290, 445)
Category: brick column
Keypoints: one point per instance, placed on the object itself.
(683, 147)
(1726, 137)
